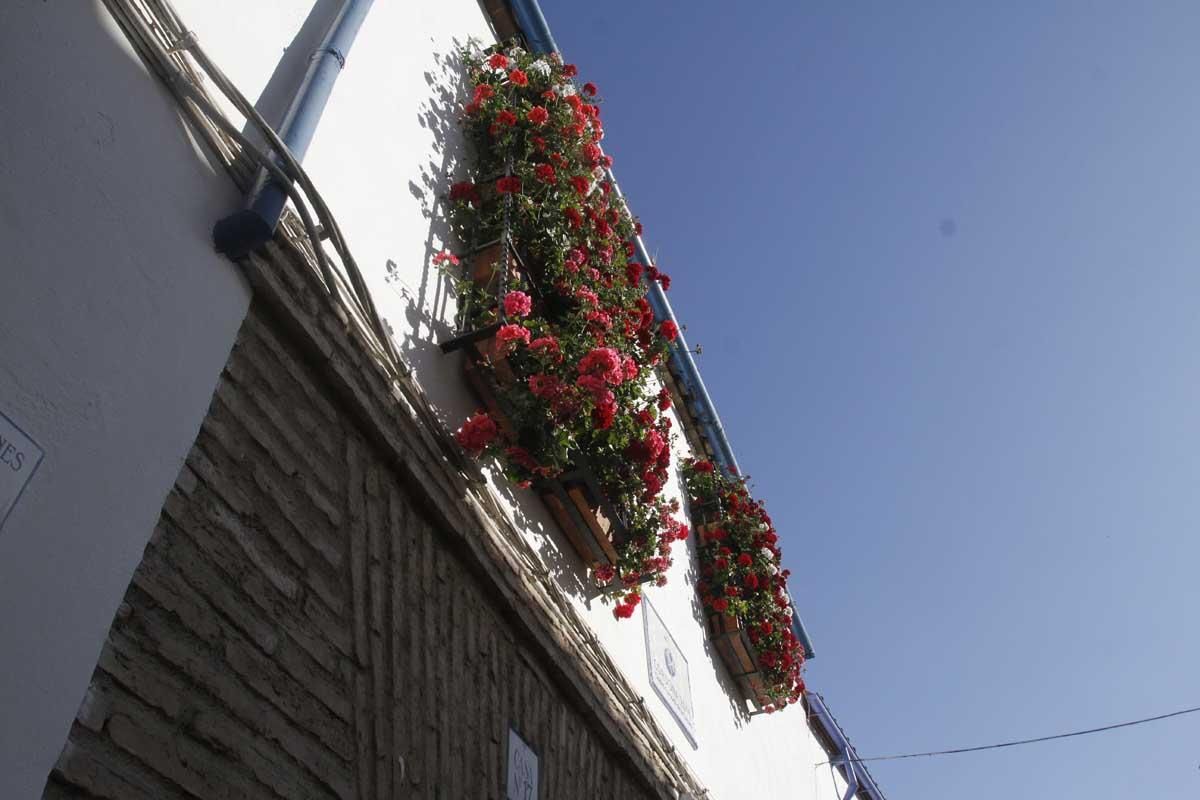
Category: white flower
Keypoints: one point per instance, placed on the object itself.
(564, 89)
(515, 52)
(769, 555)
(539, 67)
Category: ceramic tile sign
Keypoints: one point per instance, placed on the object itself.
(669, 671)
(19, 458)
(522, 769)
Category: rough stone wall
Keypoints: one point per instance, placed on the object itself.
(299, 628)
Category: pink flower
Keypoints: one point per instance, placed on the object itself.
(509, 336)
(545, 386)
(588, 297)
(546, 347)
(518, 304)
(604, 362)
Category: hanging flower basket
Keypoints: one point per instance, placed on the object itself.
(739, 656)
(593, 527)
(744, 588)
(559, 337)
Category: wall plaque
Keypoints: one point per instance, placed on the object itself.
(19, 458)
(522, 769)
(669, 671)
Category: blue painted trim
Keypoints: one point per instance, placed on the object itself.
(537, 35)
(241, 232)
(858, 777)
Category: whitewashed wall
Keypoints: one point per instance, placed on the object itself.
(112, 258)
(115, 320)
(385, 154)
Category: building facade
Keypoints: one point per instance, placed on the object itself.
(279, 575)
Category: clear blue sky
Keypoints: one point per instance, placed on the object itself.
(943, 265)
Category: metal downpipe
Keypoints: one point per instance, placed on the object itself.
(252, 226)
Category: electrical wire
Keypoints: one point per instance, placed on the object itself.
(958, 750)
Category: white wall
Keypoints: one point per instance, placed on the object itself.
(386, 151)
(116, 318)
(384, 155)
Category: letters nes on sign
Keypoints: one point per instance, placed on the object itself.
(19, 457)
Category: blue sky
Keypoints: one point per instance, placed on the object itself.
(941, 261)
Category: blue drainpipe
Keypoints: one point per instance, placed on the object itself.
(537, 34)
(239, 233)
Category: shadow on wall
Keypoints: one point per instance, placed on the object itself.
(430, 309)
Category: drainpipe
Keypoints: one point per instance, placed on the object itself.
(252, 226)
(537, 34)
(844, 758)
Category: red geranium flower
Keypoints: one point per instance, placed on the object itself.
(669, 330)
(465, 190)
(581, 185)
(498, 61)
(510, 184)
(623, 611)
(517, 304)
(590, 89)
(546, 346)
(720, 605)
(570, 70)
(537, 115)
(545, 173)
(477, 433)
(506, 117)
(509, 336)
(518, 78)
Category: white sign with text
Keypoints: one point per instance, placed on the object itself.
(522, 769)
(669, 671)
(19, 458)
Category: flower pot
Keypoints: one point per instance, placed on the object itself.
(739, 656)
(490, 268)
(591, 525)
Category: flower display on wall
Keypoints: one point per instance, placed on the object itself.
(741, 576)
(575, 341)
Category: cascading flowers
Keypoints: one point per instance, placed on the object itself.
(742, 575)
(579, 341)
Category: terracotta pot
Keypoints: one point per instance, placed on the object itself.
(739, 656)
(590, 524)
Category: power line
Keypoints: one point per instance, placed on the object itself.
(1028, 741)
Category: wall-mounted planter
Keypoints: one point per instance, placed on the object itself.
(489, 267)
(592, 526)
(726, 631)
(739, 656)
